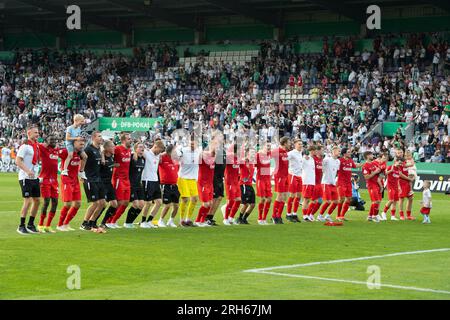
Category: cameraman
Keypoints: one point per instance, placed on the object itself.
(356, 201)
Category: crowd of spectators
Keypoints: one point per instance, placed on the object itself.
(349, 92)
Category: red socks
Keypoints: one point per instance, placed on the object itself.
(392, 212)
(228, 208)
(312, 209)
(402, 214)
(306, 210)
(280, 208)
(340, 206)
(408, 214)
(200, 214)
(324, 208)
(376, 207)
(235, 208)
(296, 205)
(70, 215)
(266, 210)
(275, 209)
(289, 204)
(260, 210)
(42, 219)
(63, 215)
(51, 215)
(120, 210)
(345, 208)
(332, 207)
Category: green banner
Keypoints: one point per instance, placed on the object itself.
(390, 128)
(127, 124)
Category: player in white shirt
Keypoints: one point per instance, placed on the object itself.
(426, 202)
(330, 167)
(308, 180)
(6, 158)
(150, 183)
(27, 161)
(189, 159)
(295, 159)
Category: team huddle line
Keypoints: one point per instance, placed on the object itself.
(177, 177)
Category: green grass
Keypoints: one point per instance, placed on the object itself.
(208, 263)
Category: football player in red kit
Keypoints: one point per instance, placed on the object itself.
(205, 185)
(393, 174)
(263, 184)
(371, 171)
(121, 177)
(70, 186)
(381, 162)
(232, 189)
(344, 182)
(281, 179)
(49, 182)
(318, 192)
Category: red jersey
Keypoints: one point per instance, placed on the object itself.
(318, 169)
(262, 167)
(49, 162)
(232, 172)
(168, 170)
(206, 169)
(345, 171)
(246, 172)
(122, 156)
(392, 178)
(74, 165)
(403, 182)
(368, 168)
(281, 162)
(382, 166)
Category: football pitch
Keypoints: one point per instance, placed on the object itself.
(290, 261)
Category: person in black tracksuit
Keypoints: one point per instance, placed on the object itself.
(93, 183)
(218, 184)
(106, 170)
(137, 197)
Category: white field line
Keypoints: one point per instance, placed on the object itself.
(355, 282)
(346, 260)
(268, 270)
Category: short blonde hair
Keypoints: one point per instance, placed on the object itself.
(78, 117)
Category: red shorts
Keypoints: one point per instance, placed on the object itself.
(295, 184)
(281, 184)
(70, 189)
(424, 210)
(405, 189)
(330, 192)
(308, 191)
(123, 189)
(345, 191)
(49, 188)
(205, 191)
(264, 188)
(393, 193)
(318, 192)
(233, 191)
(374, 193)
